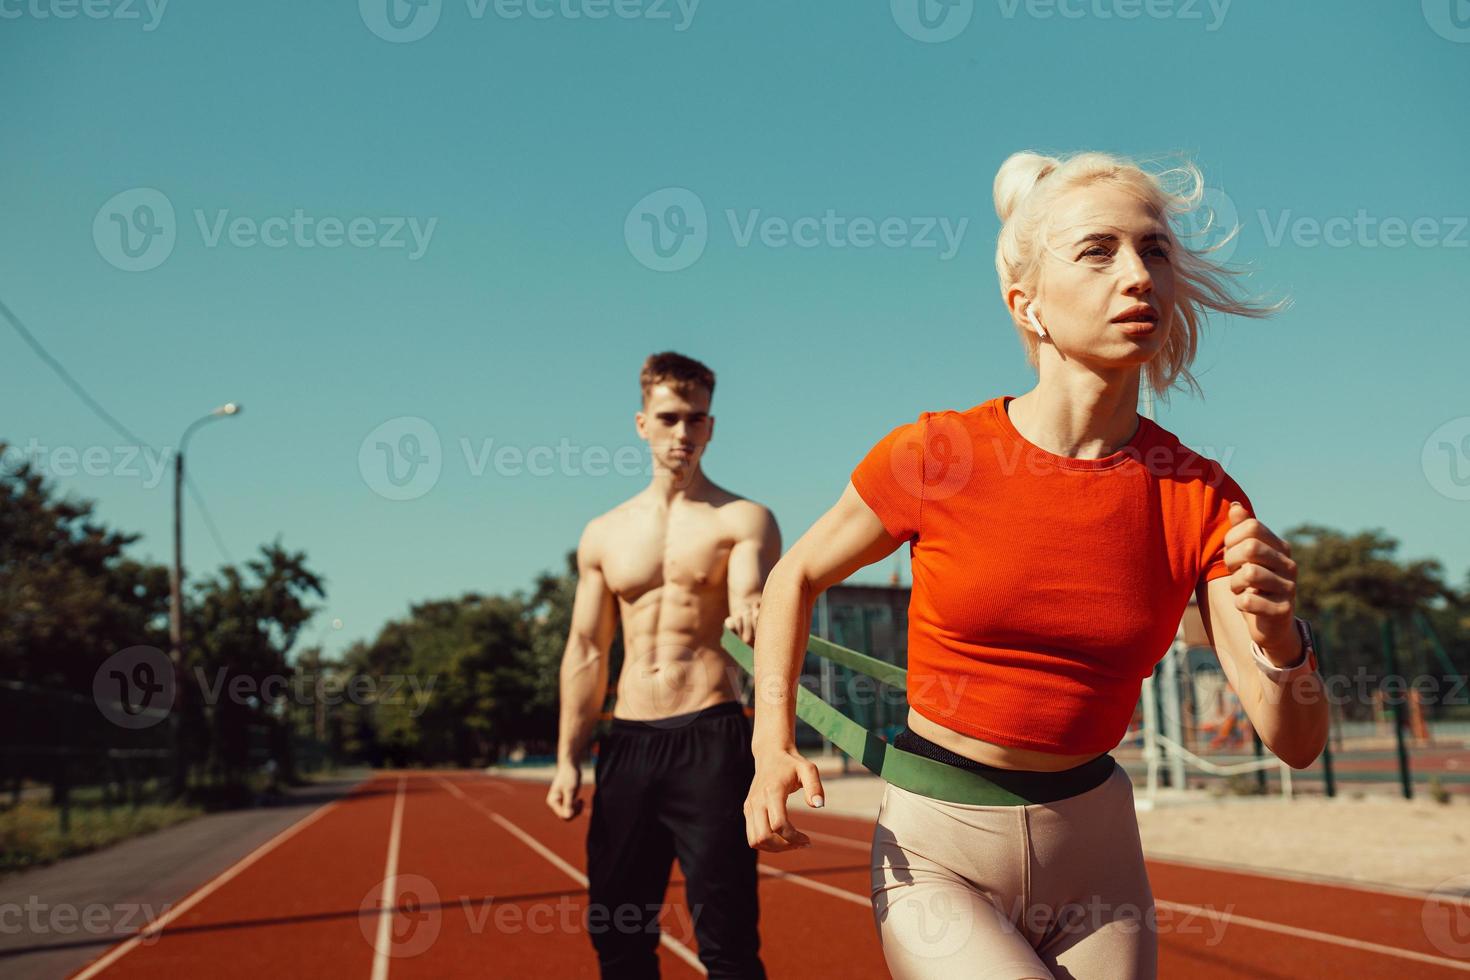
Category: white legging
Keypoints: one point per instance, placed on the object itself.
(1047, 890)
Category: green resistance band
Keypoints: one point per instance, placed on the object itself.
(903, 769)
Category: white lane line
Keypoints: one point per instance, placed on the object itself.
(388, 897)
(1323, 937)
(1306, 877)
(822, 887)
(669, 942)
(209, 888)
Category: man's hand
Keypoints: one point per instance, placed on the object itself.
(778, 774)
(564, 797)
(743, 621)
(1263, 578)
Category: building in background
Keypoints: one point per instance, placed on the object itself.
(872, 619)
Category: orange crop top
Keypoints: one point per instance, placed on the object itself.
(1046, 587)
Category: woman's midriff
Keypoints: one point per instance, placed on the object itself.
(990, 754)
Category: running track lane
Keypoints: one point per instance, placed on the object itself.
(489, 884)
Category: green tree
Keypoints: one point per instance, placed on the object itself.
(69, 596)
(1347, 584)
(240, 628)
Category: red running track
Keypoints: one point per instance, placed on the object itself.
(488, 883)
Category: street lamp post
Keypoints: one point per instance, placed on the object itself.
(176, 582)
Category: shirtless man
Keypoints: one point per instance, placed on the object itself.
(677, 563)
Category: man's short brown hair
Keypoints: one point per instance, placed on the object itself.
(677, 371)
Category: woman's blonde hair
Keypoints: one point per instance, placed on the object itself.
(1027, 185)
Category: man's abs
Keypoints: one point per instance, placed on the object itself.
(658, 681)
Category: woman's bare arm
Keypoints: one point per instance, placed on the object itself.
(846, 538)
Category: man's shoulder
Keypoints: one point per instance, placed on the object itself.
(608, 521)
(732, 506)
(749, 517)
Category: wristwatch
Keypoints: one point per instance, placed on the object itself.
(1307, 662)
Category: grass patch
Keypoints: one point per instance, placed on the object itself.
(31, 835)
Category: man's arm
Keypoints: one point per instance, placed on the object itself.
(754, 554)
(1291, 719)
(583, 680)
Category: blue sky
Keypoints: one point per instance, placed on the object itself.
(517, 147)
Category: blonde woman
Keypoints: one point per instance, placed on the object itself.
(1056, 538)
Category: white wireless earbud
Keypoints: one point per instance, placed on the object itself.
(1031, 315)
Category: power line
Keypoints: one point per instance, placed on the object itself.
(65, 376)
(198, 497)
(106, 416)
